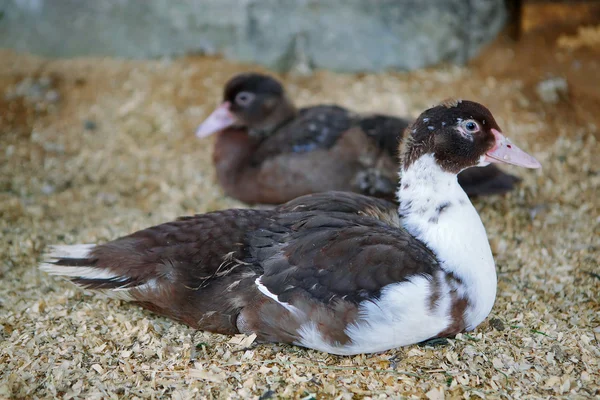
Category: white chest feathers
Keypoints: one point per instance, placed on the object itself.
(437, 211)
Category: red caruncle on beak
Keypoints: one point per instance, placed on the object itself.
(504, 151)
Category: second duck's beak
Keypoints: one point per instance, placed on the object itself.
(219, 119)
(506, 152)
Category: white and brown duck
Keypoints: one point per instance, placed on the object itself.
(335, 271)
(267, 151)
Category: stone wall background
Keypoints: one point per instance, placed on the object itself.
(341, 35)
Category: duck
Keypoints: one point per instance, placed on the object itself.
(338, 272)
(268, 151)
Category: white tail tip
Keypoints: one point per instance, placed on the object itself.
(75, 251)
(68, 251)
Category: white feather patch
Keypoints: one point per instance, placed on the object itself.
(69, 251)
(263, 289)
(76, 251)
(401, 316)
(456, 235)
(81, 272)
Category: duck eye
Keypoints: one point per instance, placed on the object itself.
(471, 126)
(244, 98)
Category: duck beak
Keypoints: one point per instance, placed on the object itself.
(219, 119)
(506, 152)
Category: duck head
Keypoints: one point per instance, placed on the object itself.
(461, 134)
(253, 101)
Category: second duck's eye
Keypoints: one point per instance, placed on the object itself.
(244, 98)
(471, 126)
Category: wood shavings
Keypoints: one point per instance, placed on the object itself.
(213, 375)
(61, 182)
(435, 394)
(243, 340)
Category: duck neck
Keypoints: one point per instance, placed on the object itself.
(436, 210)
(232, 155)
(284, 112)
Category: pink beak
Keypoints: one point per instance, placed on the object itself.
(219, 119)
(506, 152)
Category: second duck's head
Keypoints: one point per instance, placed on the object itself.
(253, 101)
(459, 134)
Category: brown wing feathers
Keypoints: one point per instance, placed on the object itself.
(305, 249)
(336, 255)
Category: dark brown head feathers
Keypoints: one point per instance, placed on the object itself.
(456, 132)
(252, 82)
(258, 101)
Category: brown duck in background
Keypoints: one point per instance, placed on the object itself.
(268, 151)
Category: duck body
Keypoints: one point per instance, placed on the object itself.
(334, 271)
(313, 149)
(323, 149)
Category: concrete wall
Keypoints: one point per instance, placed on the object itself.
(342, 35)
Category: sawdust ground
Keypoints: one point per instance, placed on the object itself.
(91, 149)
